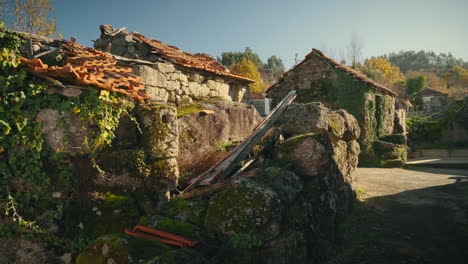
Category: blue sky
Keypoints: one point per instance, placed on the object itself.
(275, 27)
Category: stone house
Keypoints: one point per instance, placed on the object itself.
(430, 101)
(379, 111)
(170, 74)
(260, 102)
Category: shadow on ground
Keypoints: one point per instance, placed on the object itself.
(427, 225)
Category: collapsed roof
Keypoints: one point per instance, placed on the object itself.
(175, 55)
(88, 66)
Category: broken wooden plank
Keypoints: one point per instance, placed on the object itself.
(29, 48)
(226, 166)
(47, 52)
(120, 58)
(209, 189)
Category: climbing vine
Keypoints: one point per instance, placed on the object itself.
(33, 178)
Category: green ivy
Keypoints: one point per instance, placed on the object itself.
(29, 171)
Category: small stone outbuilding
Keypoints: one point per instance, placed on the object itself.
(170, 74)
(379, 111)
(430, 101)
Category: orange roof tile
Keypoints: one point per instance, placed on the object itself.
(89, 66)
(182, 58)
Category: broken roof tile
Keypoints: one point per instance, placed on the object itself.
(182, 58)
(89, 66)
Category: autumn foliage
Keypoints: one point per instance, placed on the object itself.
(248, 69)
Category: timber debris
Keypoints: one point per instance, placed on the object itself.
(165, 237)
(226, 166)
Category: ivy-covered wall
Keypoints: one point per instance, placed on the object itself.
(315, 80)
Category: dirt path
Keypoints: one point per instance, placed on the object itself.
(408, 216)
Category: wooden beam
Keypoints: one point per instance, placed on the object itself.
(133, 60)
(47, 52)
(209, 189)
(226, 166)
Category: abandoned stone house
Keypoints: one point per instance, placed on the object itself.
(170, 74)
(380, 112)
(430, 101)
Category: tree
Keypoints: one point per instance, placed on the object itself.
(457, 76)
(425, 61)
(248, 69)
(416, 84)
(382, 71)
(274, 68)
(354, 49)
(230, 58)
(32, 16)
(433, 81)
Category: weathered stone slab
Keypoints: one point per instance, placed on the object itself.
(306, 155)
(160, 132)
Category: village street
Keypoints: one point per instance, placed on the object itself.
(417, 215)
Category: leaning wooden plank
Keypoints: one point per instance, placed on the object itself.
(209, 189)
(245, 149)
(47, 52)
(227, 165)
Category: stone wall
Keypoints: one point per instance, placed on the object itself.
(206, 138)
(262, 105)
(317, 81)
(169, 82)
(286, 208)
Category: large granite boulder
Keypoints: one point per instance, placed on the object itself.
(306, 155)
(245, 208)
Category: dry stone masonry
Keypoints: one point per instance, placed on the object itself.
(380, 112)
(165, 79)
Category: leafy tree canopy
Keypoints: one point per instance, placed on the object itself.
(32, 16)
(248, 69)
(230, 58)
(382, 71)
(274, 66)
(416, 84)
(424, 60)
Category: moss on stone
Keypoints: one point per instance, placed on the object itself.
(395, 163)
(188, 109)
(124, 161)
(178, 227)
(192, 211)
(245, 207)
(120, 248)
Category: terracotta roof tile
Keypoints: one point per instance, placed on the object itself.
(182, 58)
(87, 66)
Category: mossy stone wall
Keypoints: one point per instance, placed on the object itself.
(316, 80)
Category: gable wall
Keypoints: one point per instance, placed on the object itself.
(317, 81)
